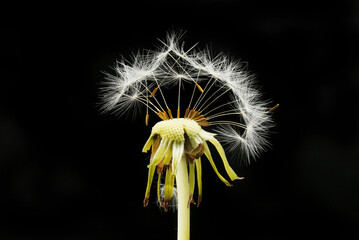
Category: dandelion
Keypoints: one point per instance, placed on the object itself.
(210, 92)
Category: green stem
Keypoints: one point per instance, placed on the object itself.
(182, 197)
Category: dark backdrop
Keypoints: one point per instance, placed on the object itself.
(68, 172)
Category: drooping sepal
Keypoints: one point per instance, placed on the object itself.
(169, 185)
(199, 179)
(210, 159)
(151, 171)
(232, 175)
(191, 182)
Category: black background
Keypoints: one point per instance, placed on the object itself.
(68, 172)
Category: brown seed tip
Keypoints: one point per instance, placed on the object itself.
(154, 92)
(147, 118)
(273, 108)
(145, 202)
(170, 113)
(186, 113)
(199, 200)
(190, 200)
(165, 115)
(165, 205)
(199, 87)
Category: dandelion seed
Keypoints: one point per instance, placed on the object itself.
(213, 93)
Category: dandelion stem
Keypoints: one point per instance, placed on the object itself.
(183, 224)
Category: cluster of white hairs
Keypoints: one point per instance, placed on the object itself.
(136, 82)
(173, 203)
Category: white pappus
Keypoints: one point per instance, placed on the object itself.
(219, 93)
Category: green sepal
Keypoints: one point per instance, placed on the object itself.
(210, 159)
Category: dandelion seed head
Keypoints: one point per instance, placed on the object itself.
(224, 96)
